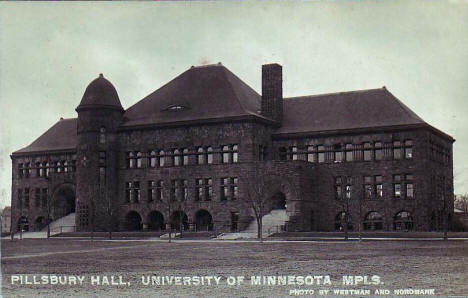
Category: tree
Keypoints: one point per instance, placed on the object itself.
(461, 202)
(257, 193)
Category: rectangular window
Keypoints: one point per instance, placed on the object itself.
(128, 191)
(173, 192)
(132, 192)
(160, 190)
(378, 187)
(367, 152)
(293, 153)
(208, 189)
(408, 149)
(409, 191)
(338, 188)
(151, 191)
(396, 150)
(321, 154)
(224, 190)
(378, 151)
(136, 197)
(310, 154)
(102, 158)
(349, 187)
(368, 187)
(338, 154)
(397, 186)
(349, 152)
(229, 153)
(234, 188)
(152, 159)
(198, 189)
(184, 185)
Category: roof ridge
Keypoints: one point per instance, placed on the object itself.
(225, 70)
(405, 108)
(335, 93)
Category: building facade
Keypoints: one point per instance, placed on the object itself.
(201, 151)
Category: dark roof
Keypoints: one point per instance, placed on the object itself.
(61, 136)
(100, 92)
(200, 93)
(345, 110)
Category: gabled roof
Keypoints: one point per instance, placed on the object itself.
(345, 110)
(61, 136)
(200, 93)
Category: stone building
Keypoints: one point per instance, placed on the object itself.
(201, 150)
(6, 220)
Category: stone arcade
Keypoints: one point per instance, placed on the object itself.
(188, 153)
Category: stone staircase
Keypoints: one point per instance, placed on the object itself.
(62, 225)
(271, 224)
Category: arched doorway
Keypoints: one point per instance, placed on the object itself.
(23, 224)
(204, 221)
(133, 221)
(340, 221)
(156, 221)
(63, 202)
(373, 221)
(179, 220)
(403, 221)
(278, 201)
(39, 223)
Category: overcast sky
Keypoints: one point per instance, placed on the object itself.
(49, 52)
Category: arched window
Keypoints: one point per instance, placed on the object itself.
(47, 169)
(200, 155)
(102, 135)
(340, 221)
(403, 221)
(139, 160)
(152, 159)
(176, 157)
(161, 158)
(130, 159)
(373, 221)
(185, 156)
(65, 166)
(209, 155)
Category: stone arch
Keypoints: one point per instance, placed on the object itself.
(403, 220)
(203, 220)
(63, 200)
(179, 220)
(340, 221)
(133, 221)
(373, 221)
(23, 224)
(39, 223)
(156, 221)
(281, 193)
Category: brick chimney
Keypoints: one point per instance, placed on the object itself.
(272, 91)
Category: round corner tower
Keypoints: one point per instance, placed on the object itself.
(99, 117)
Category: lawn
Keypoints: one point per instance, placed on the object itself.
(438, 265)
